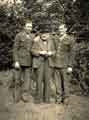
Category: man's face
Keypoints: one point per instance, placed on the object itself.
(18, 2)
(62, 29)
(39, 1)
(45, 36)
(28, 26)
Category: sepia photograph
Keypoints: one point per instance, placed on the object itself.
(44, 60)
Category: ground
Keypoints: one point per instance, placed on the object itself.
(77, 108)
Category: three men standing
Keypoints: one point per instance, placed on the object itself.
(46, 55)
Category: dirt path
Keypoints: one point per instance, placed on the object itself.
(77, 107)
(37, 112)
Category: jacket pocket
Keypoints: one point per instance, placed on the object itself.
(36, 62)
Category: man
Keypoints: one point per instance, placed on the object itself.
(23, 61)
(63, 63)
(43, 51)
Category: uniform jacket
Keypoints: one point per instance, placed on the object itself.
(39, 46)
(21, 48)
(64, 53)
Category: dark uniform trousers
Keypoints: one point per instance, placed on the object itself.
(23, 75)
(60, 76)
(21, 82)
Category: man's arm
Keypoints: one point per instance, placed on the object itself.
(71, 54)
(35, 49)
(15, 52)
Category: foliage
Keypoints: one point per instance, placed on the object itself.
(46, 16)
(11, 22)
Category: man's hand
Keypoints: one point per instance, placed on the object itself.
(50, 53)
(17, 65)
(69, 70)
(43, 52)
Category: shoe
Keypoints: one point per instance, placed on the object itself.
(58, 100)
(38, 101)
(52, 100)
(24, 100)
(26, 97)
(16, 96)
(47, 101)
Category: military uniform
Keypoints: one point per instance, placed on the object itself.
(43, 64)
(63, 60)
(22, 54)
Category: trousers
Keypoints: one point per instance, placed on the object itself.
(22, 82)
(61, 77)
(44, 74)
